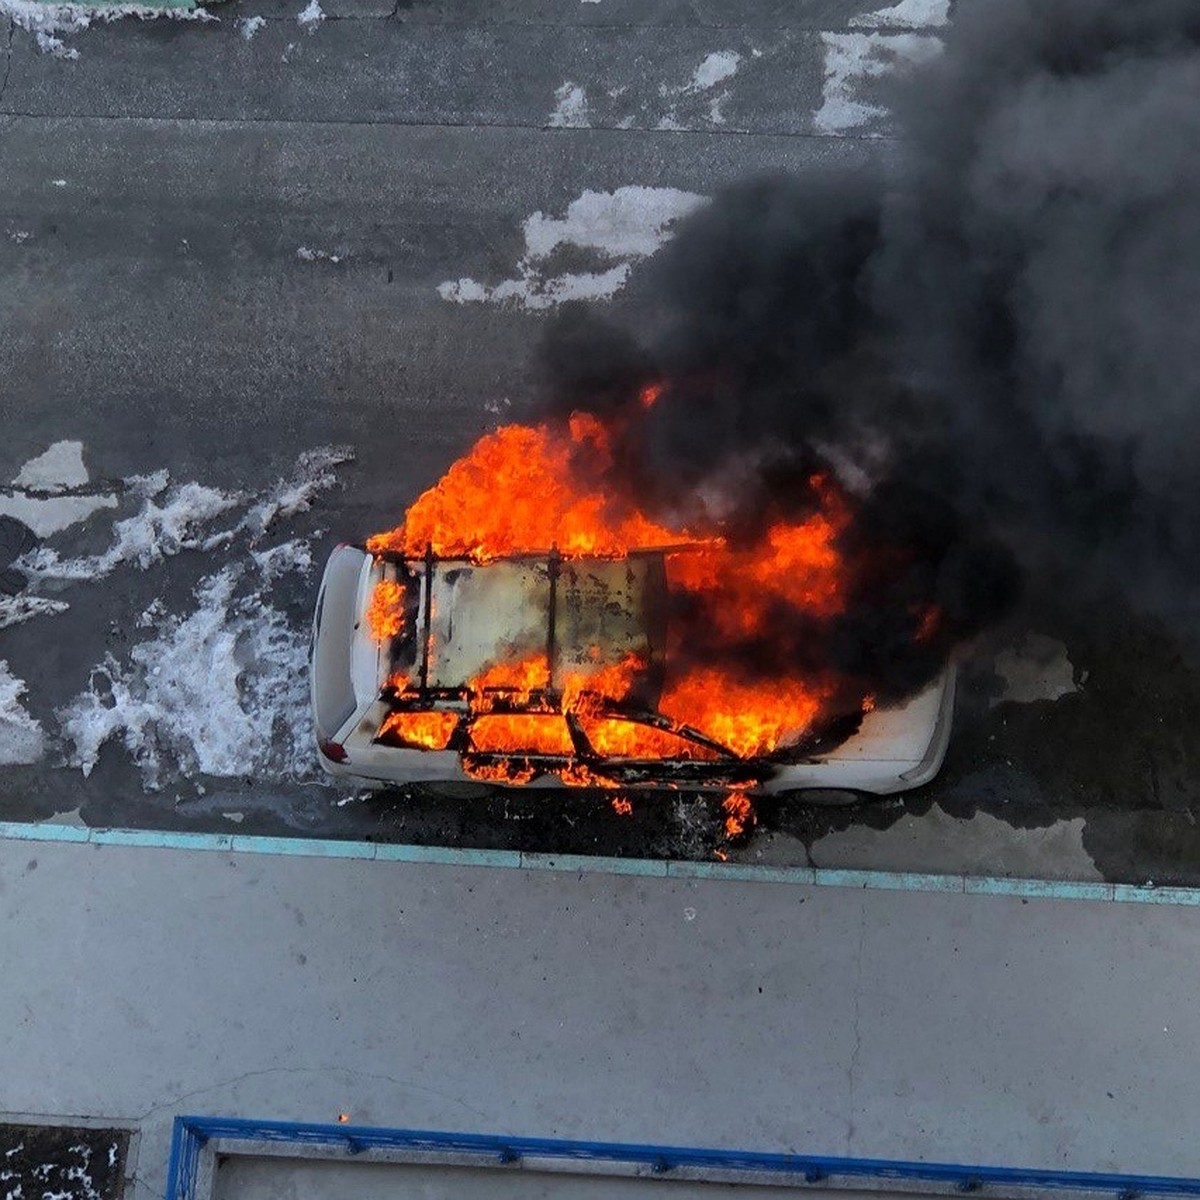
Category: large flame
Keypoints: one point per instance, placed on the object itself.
(521, 489)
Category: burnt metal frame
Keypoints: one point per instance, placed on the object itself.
(196, 1141)
(554, 560)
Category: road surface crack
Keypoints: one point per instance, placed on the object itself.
(8, 53)
(852, 1068)
(91, 488)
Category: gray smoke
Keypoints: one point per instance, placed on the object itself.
(1040, 268)
(1000, 347)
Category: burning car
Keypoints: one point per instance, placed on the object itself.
(548, 668)
(549, 613)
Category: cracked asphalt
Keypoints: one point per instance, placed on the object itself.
(154, 196)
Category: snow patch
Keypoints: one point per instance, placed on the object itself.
(219, 691)
(571, 110)
(294, 557)
(59, 466)
(628, 224)
(907, 14)
(167, 524)
(1036, 668)
(21, 736)
(56, 470)
(716, 68)
(249, 26)
(307, 254)
(941, 844)
(48, 22)
(852, 58)
(176, 518)
(311, 16)
(15, 610)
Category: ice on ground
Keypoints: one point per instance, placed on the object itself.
(249, 26)
(937, 842)
(630, 222)
(851, 59)
(311, 16)
(175, 518)
(308, 254)
(59, 466)
(49, 22)
(287, 558)
(15, 610)
(21, 736)
(58, 469)
(315, 472)
(907, 14)
(537, 293)
(1037, 668)
(570, 110)
(167, 524)
(625, 225)
(716, 68)
(219, 691)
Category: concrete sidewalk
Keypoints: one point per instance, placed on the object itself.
(142, 983)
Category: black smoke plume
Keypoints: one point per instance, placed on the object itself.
(996, 351)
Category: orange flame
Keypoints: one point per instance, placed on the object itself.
(385, 613)
(429, 730)
(529, 466)
(739, 815)
(622, 807)
(520, 489)
(533, 733)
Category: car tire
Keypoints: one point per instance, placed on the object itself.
(453, 790)
(828, 797)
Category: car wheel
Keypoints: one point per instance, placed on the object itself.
(452, 790)
(828, 797)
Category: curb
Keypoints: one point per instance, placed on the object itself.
(902, 881)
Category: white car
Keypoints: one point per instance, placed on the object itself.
(502, 671)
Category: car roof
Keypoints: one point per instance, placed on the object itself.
(586, 614)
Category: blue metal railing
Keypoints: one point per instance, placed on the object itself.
(191, 1133)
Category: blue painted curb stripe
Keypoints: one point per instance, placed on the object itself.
(191, 1133)
(905, 881)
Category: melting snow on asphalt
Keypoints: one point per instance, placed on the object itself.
(852, 60)
(217, 689)
(570, 111)
(907, 14)
(310, 17)
(49, 22)
(716, 68)
(178, 517)
(618, 228)
(21, 736)
(51, 492)
(1035, 668)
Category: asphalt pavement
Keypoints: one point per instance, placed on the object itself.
(226, 244)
